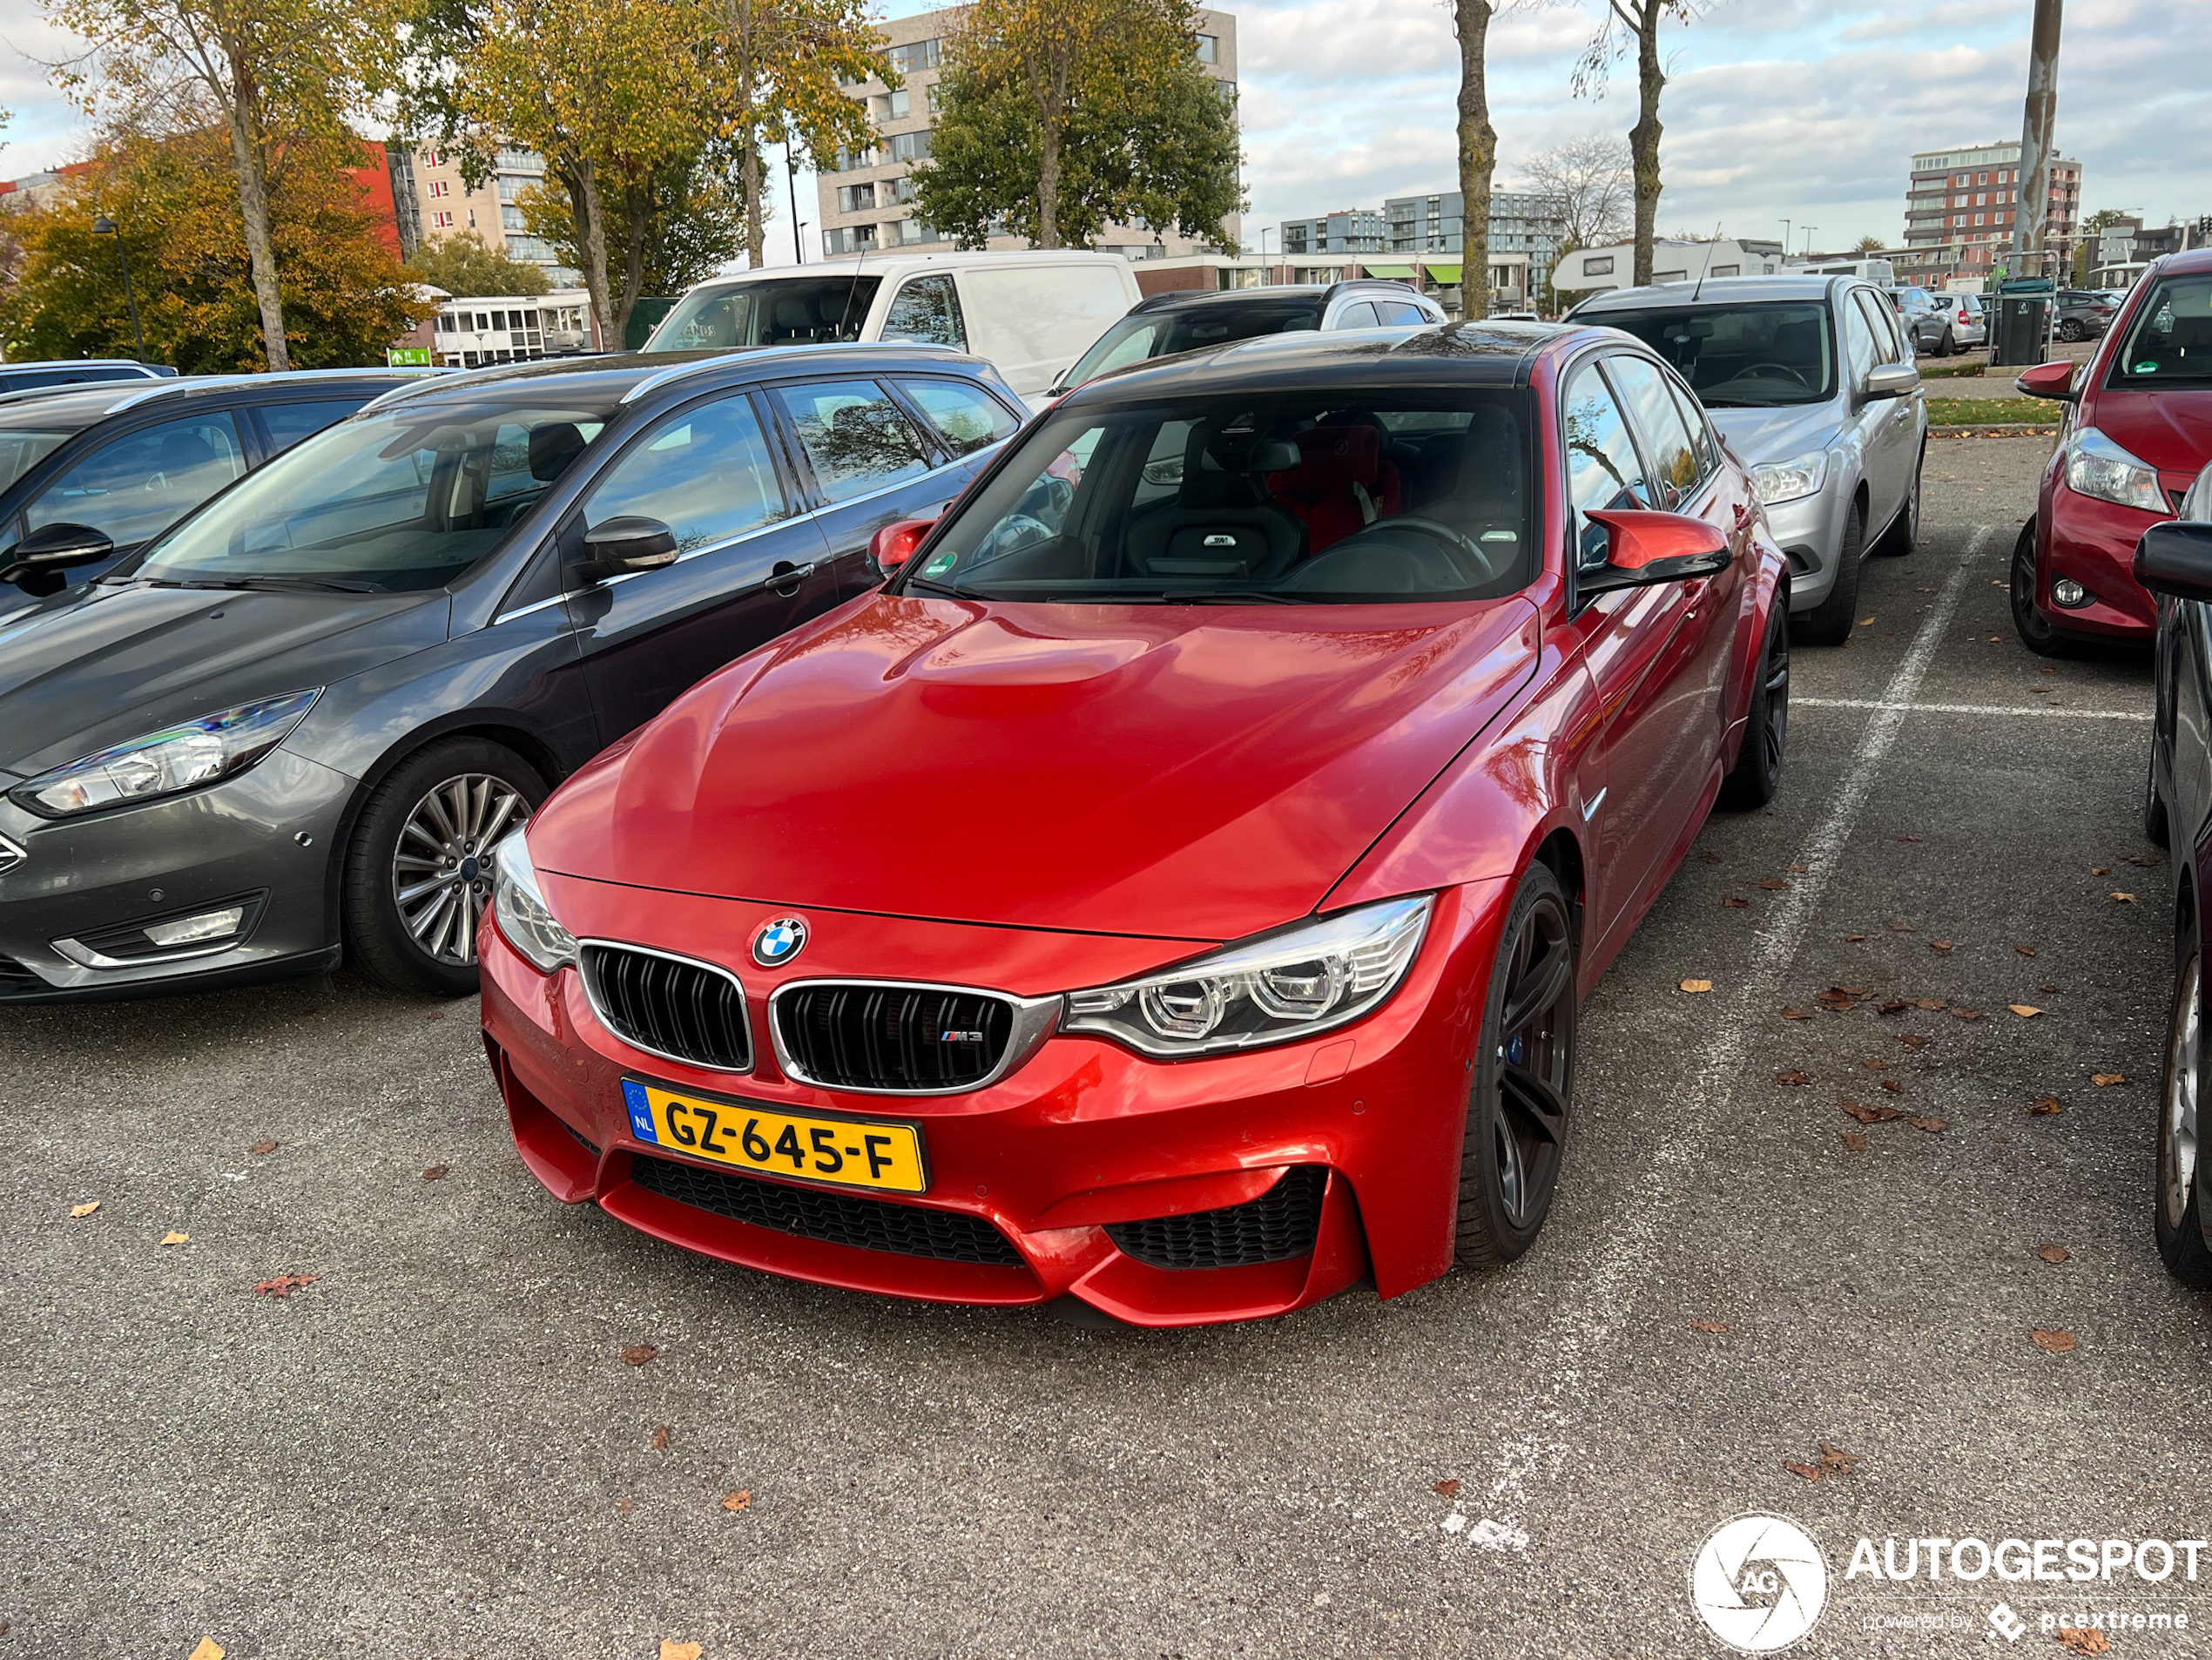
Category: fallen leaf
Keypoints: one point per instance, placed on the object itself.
(1908, 838)
(2024, 950)
(1696, 985)
(436, 1172)
(1854, 939)
(670, 1649)
(1709, 858)
(623, 1506)
(1798, 869)
(2045, 1105)
(1836, 1461)
(1797, 1014)
(2046, 988)
(2052, 1253)
(1837, 999)
(1930, 1004)
(2147, 864)
(1966, 1014)
(2084, 1640)
(1894, 1007)
(172, 1237)
(739, 1500)
(1910, 1040)
(1773, 884)
(2047, 670)
(1708, 1325)
(2102, 1079)
(433, 1017)
(1810, 1472)
(1448, 1488)
(1793, 1077)
(1933, 1126)
(2123, 898)
(1867, 622)
(2026, 1011)
(1939, 945)
(262, 1147)
(2057, 1340)
(284, 1285)
(1731, 902)
(208, 1649)
(661, 1438)
(1903, 927)
(85, 1209)
(1855, 1140)
(1867, 1114)
(638, 1354)
(1874, 1064)
(2101, 870)
(1892, 1086)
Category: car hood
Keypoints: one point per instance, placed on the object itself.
(1782, 433)
(1187, 771)
(2172, 429)
(103, 665)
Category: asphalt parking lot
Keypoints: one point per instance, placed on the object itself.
(437, 1448)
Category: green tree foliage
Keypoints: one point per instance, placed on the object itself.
(344, 293)
(1059, 117)
(464, 266)
(275, 74)
(668, 230)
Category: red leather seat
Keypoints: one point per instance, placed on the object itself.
(1340, 484)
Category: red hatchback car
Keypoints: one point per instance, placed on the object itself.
(1173, 889)
(2138, 432)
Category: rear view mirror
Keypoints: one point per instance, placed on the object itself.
(2048, 381)
(625, 544)
(2175, 559)
(1644, 549)
(35, 563)
(892, 546)
(1890, 381)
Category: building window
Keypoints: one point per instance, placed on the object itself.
(898, 103)
(442, 221)
(922, 54)
(851, 198)
(520, 161)
(1208, 49)
(909, 146)
(440, 189)
(510, 217)
(849, 159)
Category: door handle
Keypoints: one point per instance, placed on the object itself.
(785, 577)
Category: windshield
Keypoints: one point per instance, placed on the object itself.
(21, 451)
(1330, 496)
(786, 311)
(384, 503)
(2169, 343)
(1134, 339)
(1758, 354)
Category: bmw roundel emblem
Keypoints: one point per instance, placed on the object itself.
(780, 941)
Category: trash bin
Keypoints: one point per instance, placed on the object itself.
(2022, 324)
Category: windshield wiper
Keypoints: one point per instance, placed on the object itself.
(326, 585)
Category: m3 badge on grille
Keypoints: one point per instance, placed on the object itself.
(780, 941)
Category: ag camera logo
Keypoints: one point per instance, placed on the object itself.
(1759, 1583)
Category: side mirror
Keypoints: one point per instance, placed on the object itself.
(35, 563)
(2048, 381)
(1645, 549)
(892, 546)
(1890, 381)
(625, 544)
(2175, 559)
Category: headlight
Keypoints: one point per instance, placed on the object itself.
(1271, 990)
(2096, 466)
(1786, 481)
(165, 763)
(526, 921)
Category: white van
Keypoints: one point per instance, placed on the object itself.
(1030, 314)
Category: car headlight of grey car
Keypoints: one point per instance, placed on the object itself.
(168, 762)
(1789, 481)
(1273, 990)
(518, 905)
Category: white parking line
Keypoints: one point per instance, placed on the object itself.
(2059, 712)
(1632, 1248)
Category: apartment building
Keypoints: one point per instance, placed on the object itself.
(432, 199)
(865, 198)
(1353, 229)
(1961, 208)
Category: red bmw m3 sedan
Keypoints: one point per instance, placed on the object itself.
(1172, 888)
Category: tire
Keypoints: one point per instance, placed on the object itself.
(412, 892)
(1947, 346)
(1757, 775)
(1519, 1100)
(2036, 632)
(1903, 537)
(2154, 829)
(2177, 1191)
(2069, 330)
(1829, 622)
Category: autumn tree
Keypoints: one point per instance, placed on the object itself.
(344, 293)
(1867, 246)
(1478, 154)
(1634, 25)
(670, 228)
(276, 74)
(1059, 117)
(465, 266)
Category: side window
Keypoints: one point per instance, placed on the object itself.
(287, 423)
(136, 487)
(1700, 434)
(1602, 469)
(1666, 439)
(966, 417)
(1398, 313)
(704, 472)
(1859, 353)
(854, 436)
(1887, 348)
(1358, 316)
(927, 309)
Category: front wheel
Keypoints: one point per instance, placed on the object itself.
(2155, 830)
(1757, 775)
(418, 871)
(1947, 346)
(1904, 535)
(2178, 1199)
(2028, 622)
(1523, 1079)
(1829, 622)
(2069, 330)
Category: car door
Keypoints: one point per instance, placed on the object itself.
(135, 486)
(283, 425)
(865, 461)
(1889, 428)
(749, 567)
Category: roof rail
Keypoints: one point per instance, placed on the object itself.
(753, 353)
(182, 383)
(1339, 287)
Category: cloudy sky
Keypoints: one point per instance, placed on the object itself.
(1802, 109)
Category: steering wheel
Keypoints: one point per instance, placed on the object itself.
(1750, 369)
(1011, 535)
(1456, 541)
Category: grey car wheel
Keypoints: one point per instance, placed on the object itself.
(442, 868)
(2176, 1216)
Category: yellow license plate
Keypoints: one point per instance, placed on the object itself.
(850, 1152)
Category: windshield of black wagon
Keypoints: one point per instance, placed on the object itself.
(1341, 496)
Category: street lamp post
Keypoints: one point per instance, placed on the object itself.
(104, 225)
(791, 171)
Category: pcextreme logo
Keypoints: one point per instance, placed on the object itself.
(1759, 1583)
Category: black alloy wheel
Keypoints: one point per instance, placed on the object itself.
(1753, 781)
(2035, 632)
(2177, 1196)
(1522, 1079)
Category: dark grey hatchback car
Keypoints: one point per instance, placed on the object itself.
(292, 726)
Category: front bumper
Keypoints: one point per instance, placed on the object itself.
(1082, 1136)
(240, 838)
(2094, 542)
(1810, 532)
